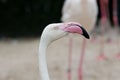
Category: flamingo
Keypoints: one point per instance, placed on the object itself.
(51, 33)
(84, 12)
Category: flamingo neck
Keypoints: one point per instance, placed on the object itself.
(42, 59)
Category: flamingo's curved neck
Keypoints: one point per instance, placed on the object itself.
(42, 59)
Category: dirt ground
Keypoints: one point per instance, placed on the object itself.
(19, 59)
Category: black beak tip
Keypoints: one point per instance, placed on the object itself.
(85, 33)
(86, 36)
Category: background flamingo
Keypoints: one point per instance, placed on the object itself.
(84, 12)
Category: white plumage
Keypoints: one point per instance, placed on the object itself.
(81, 11)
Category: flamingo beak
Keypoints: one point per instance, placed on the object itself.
(75, 28)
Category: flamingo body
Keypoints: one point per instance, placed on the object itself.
(81, 11)
(84, 12)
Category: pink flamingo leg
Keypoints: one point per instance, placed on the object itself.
(103, 7)
(115, 18)
(70, 58)
(118, 54)
(101, 56)
(115, 21)
(80, 74)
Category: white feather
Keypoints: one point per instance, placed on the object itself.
(81, 11)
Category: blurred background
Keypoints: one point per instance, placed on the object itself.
(21, 25)
(28, 18)
(20, 18)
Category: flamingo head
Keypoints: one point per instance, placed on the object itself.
(58, 30)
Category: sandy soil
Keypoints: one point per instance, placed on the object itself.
(19, 60)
